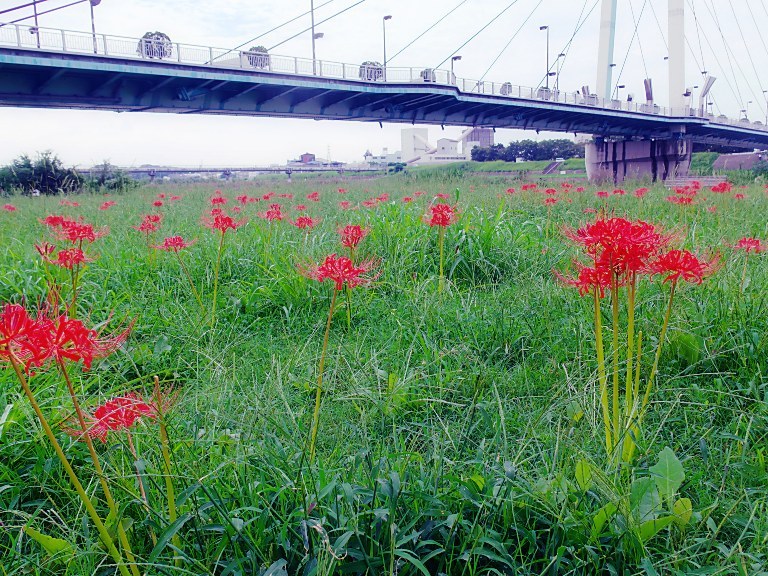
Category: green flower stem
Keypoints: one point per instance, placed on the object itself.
(216, 278)
(615, 352)
(191, 282)
(318, 395)
(601, 374)
(122, 536)
(647, 395)
(631, 298)
(441, 243)
(166, 450)
(100, 528)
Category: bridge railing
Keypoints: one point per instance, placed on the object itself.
(102, 45)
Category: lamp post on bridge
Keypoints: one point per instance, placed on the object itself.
(559, 68)
(37, 27)
(384, 35)
(765, 94)
(746, 111)
(314, 36)
(454, 59)
(93, 3)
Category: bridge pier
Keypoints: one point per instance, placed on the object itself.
(619, 160)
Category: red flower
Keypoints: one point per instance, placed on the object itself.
(313, 196)
(175, 198)
(287, 195)
(352, 234)
(120, 413)
(217, 198)
(342, 190)
(680, 200)
(242, 199)
(677, 264)
(69, 258)
(305, 222)
(739, 196)
(407, 199)
(510, 191)
(149, 223)
(550, 191)
(640, 192)
(107, 205)
(751, 245)
(69, 203)
(9, 207)
(68, 338)
(551, 201)
(220, 221)
(722, 188)
(161, 196)
(619, 192)
(157, 203)
(441, 215)
(174, 244)
(300, 207)
(274, 214)
(345, 204)
(18, 334)
(340, 270)
(589, 279)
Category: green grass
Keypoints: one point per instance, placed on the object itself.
(451, 424)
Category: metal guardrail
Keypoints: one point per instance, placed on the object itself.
(71, 42)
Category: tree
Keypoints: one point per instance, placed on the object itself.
(258, 57)
(46, 173)
(106, 176)
(155, 45)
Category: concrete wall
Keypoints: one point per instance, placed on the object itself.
(656, 160)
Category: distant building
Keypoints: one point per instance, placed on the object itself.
(383, 159)
(741, 161)
(307, 158)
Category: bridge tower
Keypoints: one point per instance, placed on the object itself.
(654, 158)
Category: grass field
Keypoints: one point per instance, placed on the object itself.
(459, 428)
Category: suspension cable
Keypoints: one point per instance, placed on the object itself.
(20, 6)
(530, 15)
(427, 30)
(475, 35)
(316, 25)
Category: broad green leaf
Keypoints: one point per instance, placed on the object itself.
(55, 547)
(4, 420)
(644, 499)
(584, 475)
(277, 569)
(647, 565)
(478, 481)
(683, 510)
(650, 528)
(668, 473)
(408, 556)
(601, 518)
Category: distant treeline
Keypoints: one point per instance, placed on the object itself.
(47, 175)
(529, 150)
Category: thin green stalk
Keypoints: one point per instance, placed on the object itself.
(318, 395)
(601, 373)
(216, 278)
(111, 504)
(100, 527)
(191, 282)
(165, 448)
(441, 242)
(629, 388)
(655, 367)
(615, 352)
(744, 274)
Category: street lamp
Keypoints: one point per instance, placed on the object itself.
(314, 36)
(616, 92)
(746, 112)
(93, 3)
(547, 29)
(384, 30)
(765, 93)
(559, 67)
(453, 76)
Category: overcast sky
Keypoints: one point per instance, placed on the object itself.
(727, 42)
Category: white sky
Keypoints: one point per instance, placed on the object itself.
(732, 46)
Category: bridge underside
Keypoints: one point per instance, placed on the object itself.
(655, 160)
(30, 78)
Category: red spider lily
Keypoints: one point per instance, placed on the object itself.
(550, 191)
(619, 192)
(175, 198)
(218, 199)
(72, 230)
(313, 196)
(107, 205)
(274, 214)
(268, 196)
(69, 203)
(342, 190)
(677, 264)
(407, 199)
(162, 196)
(45, 249)
(588, 279)
(589, 211)
(149, 223)
(157, 203)
(69, 258)
(243, 199)
(680, 200)
(300, 207)
(442, 196)
(18, 334)
(341, 270)
(345, 204)
(352, 234)
(441, 215)
(117, 414)
(640, 192)
(305, 222)
(529, 186)
(218, 220)
(174, 244)
(751, 245)
(551, 201)
(286, 195)
(68, 338)
(739, 196)
(418, 193)
(722, 188)
(9, 207)
(624, 246)
(712, 209)
(383, 198)
(602, 194)
(370, 203)
(580, 189)
(510, 191)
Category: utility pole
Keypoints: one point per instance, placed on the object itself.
(312, 16)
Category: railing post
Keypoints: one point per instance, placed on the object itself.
(63, 41)
(104, 38)
(295, 65)
(18, 36)
(320, 67)
(210, 55)
(178, 53)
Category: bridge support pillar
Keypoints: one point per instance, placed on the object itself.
(657, 160)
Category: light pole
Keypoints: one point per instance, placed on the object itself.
(559, 67)
(547, 75)
(37, 27)
(93, 3)
(746, 112)
(616, 92)
(384, 34)
(314, 36)
(453, 76)
(765, 93)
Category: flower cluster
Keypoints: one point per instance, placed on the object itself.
(221, 221)
(120, 413)
(442, 215)
(341, 270)
(352, 234)
(149, 223)
(174, 244)
(75, 231)
(274, 214)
